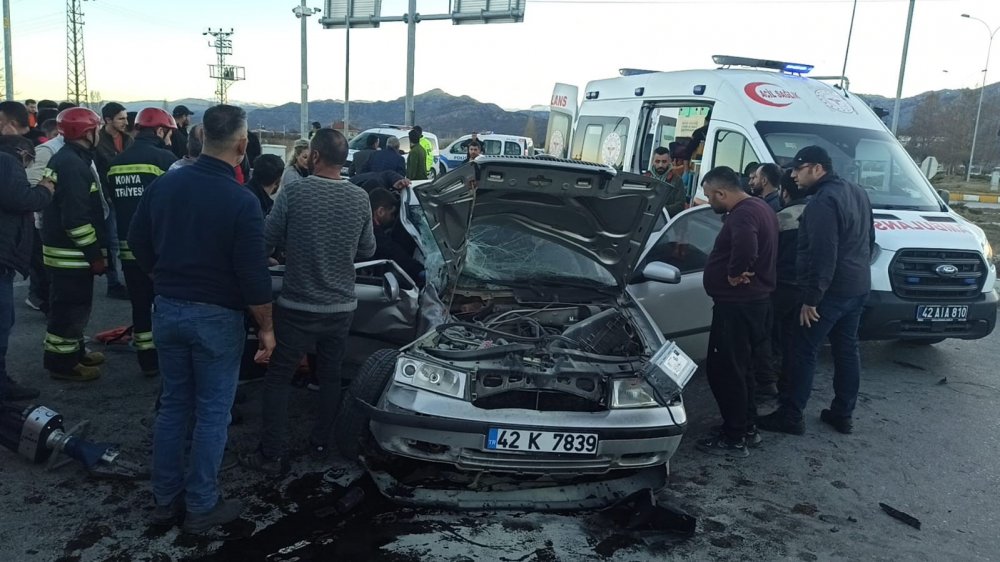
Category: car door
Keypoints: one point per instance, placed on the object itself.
(683, 312)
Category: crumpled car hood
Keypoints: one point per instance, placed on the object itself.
(594, 210)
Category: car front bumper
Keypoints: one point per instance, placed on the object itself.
(430, 427)
(887, 316)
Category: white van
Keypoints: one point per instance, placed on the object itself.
(384, 132)
(933, 274)
(455, 154)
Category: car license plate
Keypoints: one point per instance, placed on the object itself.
(942, 312)
(500, 439)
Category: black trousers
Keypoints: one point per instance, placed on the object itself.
(787, 303)
(71, 295)
(140, 292)
(38, 277)
(737, 329)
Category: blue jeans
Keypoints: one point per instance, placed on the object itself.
(200, 347)
(839, 321)
(6, 316)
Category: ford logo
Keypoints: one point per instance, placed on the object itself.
(946, 270)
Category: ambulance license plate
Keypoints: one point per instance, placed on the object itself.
(942, 312)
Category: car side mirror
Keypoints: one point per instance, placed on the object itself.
(945, 196)
(661, 272)
(390, 286)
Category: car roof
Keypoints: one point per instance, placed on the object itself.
(394, 132)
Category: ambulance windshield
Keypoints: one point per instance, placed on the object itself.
(871, 158)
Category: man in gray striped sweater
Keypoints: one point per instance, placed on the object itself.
(323, 223)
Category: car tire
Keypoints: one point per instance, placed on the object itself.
(432, 174)
(924, 341)
(351, 426)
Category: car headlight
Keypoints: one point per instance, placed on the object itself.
(988, 252)
(432, 377)
(632, 393)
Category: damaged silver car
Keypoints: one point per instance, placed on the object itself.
(536, 361)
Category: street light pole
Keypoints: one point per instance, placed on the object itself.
(847, 51)
(302, 12)
(975, 129)
(411, 49)
(7, 52)
(902, 68)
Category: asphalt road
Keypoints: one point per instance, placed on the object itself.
(926, 443)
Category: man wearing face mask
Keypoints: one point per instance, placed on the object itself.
(129, 174)
(72, 240)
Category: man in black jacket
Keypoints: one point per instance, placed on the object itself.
(835, 243)
(131, 172)
(17, 201)
(182, 115)
(385, 208)
(113, 139)
(785, 300)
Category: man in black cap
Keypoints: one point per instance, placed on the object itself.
(835, 243)
(179, 140)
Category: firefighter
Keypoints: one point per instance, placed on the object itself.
(129, 175)
(72, 238)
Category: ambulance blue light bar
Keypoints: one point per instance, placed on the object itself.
(789, 67)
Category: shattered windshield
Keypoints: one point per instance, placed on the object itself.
(868, 157)
(504, 253)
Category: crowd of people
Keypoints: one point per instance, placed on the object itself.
(789, 271)
(109, 195)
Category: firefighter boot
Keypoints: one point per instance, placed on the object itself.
(79, 373)
(92, 359)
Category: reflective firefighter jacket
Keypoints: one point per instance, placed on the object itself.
(73, 224)
(130, 173)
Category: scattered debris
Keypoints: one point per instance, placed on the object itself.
(944, 380)
(641, 512)
(904, 517)
(909, 365)
(805, 509)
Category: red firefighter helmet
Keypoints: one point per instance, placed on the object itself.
(153, 117)
(74, 123)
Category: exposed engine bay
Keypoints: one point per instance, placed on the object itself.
(545, 357)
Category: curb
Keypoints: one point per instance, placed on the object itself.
(973, 198)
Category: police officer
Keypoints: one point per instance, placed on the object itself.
(129, 175)
(72, 238)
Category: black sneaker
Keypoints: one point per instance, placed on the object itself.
(257, 460)
(12, 391)
(225, 511)
(769, 390)
(843, 425)
(719, 445)
(752, 436)
(168, 515)
(780, 422)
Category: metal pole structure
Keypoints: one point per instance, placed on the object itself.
(847, 51)
(975, 129)
(902, 69)
(304, 100)
(411, 48)
(347, 78)
(8, 59)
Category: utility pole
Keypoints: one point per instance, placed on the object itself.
(347, 79)
(847, 51)
(76, 63)
(8, 58)
(224, 73)
(302, 12)
(411, 50)
(902, 69)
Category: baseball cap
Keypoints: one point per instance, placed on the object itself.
(810, 155)
(182, 110)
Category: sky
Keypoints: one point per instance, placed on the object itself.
(154, 49)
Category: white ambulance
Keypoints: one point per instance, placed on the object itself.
(933, 275)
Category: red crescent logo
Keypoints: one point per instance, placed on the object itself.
(771, 95)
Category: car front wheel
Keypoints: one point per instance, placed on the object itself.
(351, 425)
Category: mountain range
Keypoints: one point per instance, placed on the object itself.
(450, 116)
